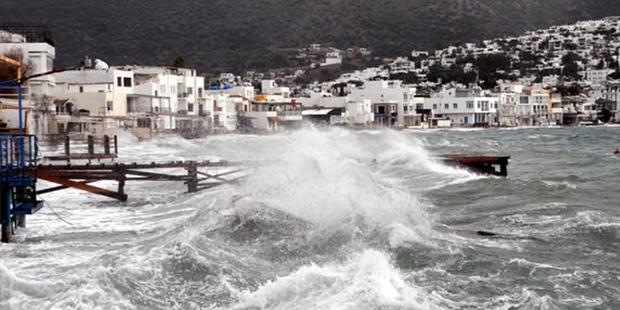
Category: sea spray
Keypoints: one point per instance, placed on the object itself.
(368, 280)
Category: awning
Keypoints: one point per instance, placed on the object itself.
(316, 112)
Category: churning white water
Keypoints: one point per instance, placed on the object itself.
(324, 219)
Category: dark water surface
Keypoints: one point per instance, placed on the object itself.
(334, 219)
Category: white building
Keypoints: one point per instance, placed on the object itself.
(596, 76)
(402, 65)
(273, 109)
(269, 87)
(533, 106)
(225, 110)
(147, 99)
(93, 92)
(393, 102)
(359, 113)
(332, 58)
(38, 53)
(464, 107)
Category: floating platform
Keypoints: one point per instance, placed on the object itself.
(492, 165)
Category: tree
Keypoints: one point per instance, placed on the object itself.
(179, 62)
(408, 78)
(571, 68)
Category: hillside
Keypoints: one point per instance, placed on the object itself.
(235, 34)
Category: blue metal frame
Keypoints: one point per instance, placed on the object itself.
(18, 164)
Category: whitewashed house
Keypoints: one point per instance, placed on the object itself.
(393, 103)
(464, 106)
(274, 109)
(332, 58)
(92, 101)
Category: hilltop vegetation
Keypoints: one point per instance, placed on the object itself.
(234, 35)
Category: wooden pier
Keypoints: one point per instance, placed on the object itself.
(110, 151)
(197, 175)
(21, 171)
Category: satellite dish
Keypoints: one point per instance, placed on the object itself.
(101, 65)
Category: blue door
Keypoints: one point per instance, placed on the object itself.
(465, 119)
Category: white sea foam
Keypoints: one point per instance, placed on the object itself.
(366, 281)
(329, 177)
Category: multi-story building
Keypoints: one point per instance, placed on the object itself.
(146, 99)
(533, 106)
(464, 106)
(83, 95)
(596, 76)
(36, 49)
(274, 108)
(393, 103)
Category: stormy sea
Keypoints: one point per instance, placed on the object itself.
(338, 219)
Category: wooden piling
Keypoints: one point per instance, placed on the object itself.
(106, 144)
(21, 221)
(68, 149)
(192, 178)
(5, 214)
(121, 183)
(91, 146)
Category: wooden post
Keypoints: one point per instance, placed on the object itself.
(5, 214)
(106, 144)
(192, 177)
(115, 145)
(21, 221)
(91, 147)
(68, 149)
(121, 183)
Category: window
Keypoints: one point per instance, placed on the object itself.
(456, 106)
(485, 105)
(446, 106)
(199, 91)
(190, 107)
(405, 108)
(434, 106)
(81, 89)
(127, 82)
(190, 90)
(119, 81)
(405, 96)
(110, 105)
(470, 104)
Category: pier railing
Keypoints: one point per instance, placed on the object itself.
(18, 151)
